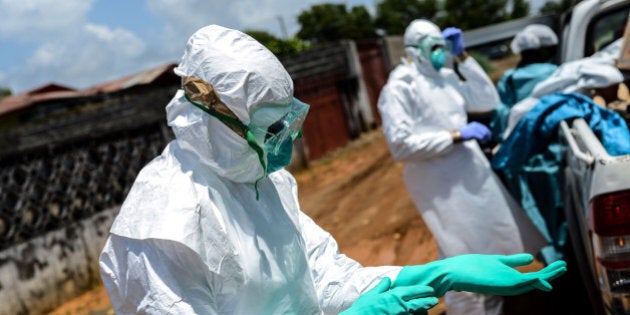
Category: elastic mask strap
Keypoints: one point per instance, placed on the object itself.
(249, 136)
(251, 140)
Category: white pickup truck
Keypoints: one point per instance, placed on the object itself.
(596, 185)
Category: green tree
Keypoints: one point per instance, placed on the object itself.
(359, 24)
(331, 22)
(471, 14)
(555, 7)
(393, 16)
(276, 45)
(520, 8)
(5, 92)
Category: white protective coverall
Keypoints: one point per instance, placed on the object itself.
(461, 200)
(191, 238)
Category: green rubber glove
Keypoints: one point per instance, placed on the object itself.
(487, 274)
(380, 300)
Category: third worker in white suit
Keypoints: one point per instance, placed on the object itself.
(424, 108)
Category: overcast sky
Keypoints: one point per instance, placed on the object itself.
(79, 43)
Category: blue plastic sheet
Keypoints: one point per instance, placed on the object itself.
(530, 159)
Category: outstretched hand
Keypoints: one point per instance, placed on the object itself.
(487, 274)
(495, 274)
(381, 300)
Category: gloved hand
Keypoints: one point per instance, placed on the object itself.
(402, 300)
(486, 274)
(454, 35)
(475, 130)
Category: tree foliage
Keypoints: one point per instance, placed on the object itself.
(276, 45)
(331, 22)
(555, 7)
(359, 24)
(5, 92)
(473, 13)
(520, 8)
(393, 16)
(328, 22)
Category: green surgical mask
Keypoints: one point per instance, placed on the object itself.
(433, 50)
(280, 158)
(438, 59)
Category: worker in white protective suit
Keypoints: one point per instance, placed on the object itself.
(424, 109)
(213, 224)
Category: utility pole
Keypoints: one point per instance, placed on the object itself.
(283, 27)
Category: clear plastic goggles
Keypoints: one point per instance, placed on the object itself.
(287, 128)
(430, 44)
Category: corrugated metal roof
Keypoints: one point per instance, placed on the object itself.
(54, 91)
(141, 78)
(37, 95)
(50, 87)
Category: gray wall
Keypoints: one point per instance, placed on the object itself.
(38, 275)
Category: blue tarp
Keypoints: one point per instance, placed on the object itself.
(529, 160)
(539, 127)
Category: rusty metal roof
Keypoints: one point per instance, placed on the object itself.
(140, 78)
(37, 95)
(54, 91)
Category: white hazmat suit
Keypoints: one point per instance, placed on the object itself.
(460, 199)
(191, 237)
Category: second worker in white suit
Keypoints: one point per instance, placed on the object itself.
(424, 108)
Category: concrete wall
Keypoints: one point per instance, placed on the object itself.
(38, 275)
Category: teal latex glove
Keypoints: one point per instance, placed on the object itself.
(487, 274)
(380, 300)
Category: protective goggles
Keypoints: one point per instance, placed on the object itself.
(429, 44)
(266, 132)
(287, 128)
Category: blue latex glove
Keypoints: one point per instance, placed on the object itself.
(486, 274)
(402, 300)
(454, 35)
(475, 130)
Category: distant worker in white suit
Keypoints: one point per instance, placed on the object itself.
(424, 109)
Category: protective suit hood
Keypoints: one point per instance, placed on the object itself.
(418, 29)
(245, 75)
(415, 32)
(533, 36)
